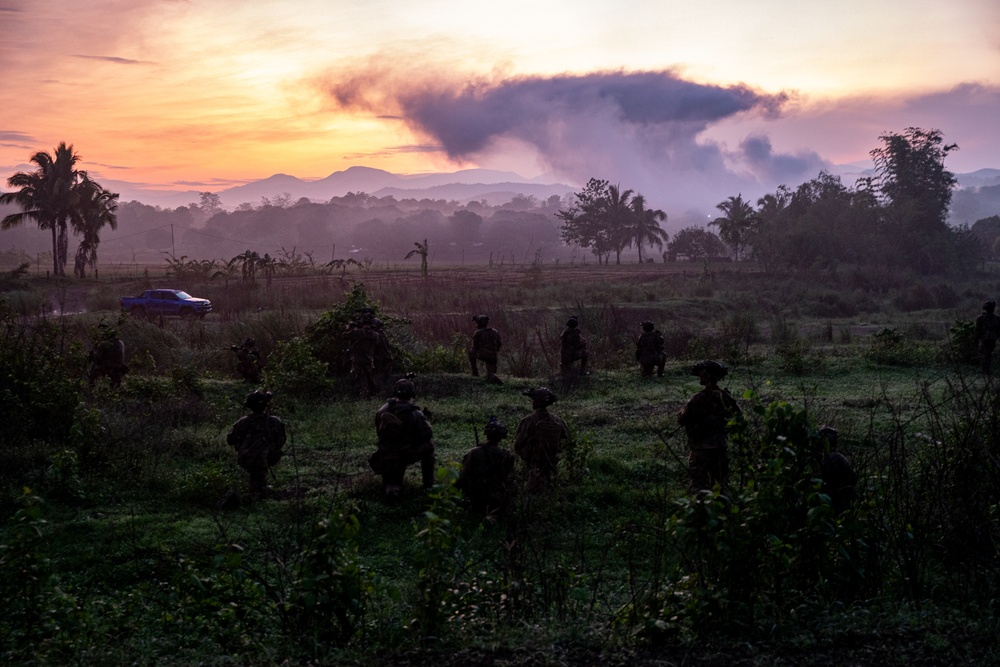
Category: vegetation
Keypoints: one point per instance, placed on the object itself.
(57, 195)
(114, 548)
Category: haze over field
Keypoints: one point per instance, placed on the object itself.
(685, 104)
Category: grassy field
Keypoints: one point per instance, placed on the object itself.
(117, 551)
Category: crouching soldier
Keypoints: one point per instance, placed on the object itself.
(839, 476)
(485, 478)
(404, 437)
(705, 419)
(248, 360)
(258, 439)
(649, 350)
(107, 357)
(539, 439)
(486, 346)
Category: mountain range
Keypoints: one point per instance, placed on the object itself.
(465, 185)
(495, 187)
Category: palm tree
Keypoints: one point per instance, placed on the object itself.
(646, 225)
(421, 250)
(618, 217)
(48, 196)
(96, 208)
(31, 199)
(736, 226)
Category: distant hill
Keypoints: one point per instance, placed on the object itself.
(463, 185)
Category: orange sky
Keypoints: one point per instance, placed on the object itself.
(205, 94)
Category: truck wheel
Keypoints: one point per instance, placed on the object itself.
(186, 313)
(138, 312)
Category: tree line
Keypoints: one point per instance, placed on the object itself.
(896, 218)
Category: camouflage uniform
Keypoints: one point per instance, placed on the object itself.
(404, 437)
(257, 439)
(572, 347)
(704, 419)
(363, 341)
(485, 478)
(839, 477)
(987, 332)
(383, 358)
(539, 439)
(248, 358)
(649, 351)
(107, 358)
(486, 345)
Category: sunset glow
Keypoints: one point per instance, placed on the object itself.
(206, 94)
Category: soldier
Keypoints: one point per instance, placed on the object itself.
(404, 437)
(572, 347)
(987, 332)
(486, 345)
(704, 419)
(257, 439)
(361, 336)
(249, 363)
(539, 438)
(485, 478)
(839, 477)
(383, 358)
(107, 357)
(649, 350)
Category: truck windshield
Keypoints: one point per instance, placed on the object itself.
(184, 295)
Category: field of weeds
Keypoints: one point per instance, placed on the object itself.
(116, 547)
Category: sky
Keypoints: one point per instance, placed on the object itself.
(672, 99)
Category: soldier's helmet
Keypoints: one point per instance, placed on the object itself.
(573, 322)
(249, 342)
(495, 428)
(541, 394)
(990, 306)
(715, 370)
(829, 434)
(481, 320)
(257, 400)
(404, 388)
(648, 326)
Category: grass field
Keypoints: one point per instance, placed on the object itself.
(116, 550)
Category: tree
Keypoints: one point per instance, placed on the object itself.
(645, 227)
(421, 249)
(915, 190)
(47, 196)
(736, 226)
(584, 223)
(911, 176)
(96, 208)
(694, 243)
(617, 214)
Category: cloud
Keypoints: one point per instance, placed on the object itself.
(113, 59)
(758, 155)
(641, 129)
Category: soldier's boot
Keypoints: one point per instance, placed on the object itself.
(474, 364)
(493, 379)
(659, 370)
(583, 366)
(427, 471)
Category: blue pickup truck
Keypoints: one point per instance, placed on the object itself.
(166, 302)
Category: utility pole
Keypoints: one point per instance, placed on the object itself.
(173, 250)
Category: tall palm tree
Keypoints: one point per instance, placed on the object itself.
(33, 202)
(646, 225)
(96, 208)
(736, 226)
(47, 196)
(618, 217)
